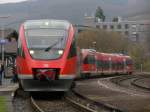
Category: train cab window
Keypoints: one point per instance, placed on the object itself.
(46, 43)
(90, 59)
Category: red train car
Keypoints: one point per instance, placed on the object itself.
(96, 63)
(106, 63)
(46, 59)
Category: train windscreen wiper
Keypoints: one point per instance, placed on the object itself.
(50, 47)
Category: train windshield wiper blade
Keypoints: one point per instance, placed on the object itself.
(48, 48)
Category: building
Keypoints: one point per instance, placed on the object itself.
(10, 47)
(134, 30)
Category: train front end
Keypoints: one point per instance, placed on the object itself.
(88, 64)
(46, 58)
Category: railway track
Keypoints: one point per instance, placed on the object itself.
(71, 102)
(136, 82)
(142, 83)
(91, 105)
(53, 103)
(35, 105)
(74, 102)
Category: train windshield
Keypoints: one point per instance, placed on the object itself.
(46, 43)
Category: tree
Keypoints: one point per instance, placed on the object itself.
(12, 35)
(137, 52)
(99, 14)
(103, 41)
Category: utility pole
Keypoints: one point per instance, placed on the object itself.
(3, 48)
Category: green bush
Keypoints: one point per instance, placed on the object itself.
(3, 107)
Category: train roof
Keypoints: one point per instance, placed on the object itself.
(113, 55)
(86, 52)
(46, 23)
(89, 50)
(119, 55)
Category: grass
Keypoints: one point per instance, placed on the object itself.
(3, 107)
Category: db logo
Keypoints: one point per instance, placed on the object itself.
(45, 65)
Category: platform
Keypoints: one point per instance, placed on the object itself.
(8, 86)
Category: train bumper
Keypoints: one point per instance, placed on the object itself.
(62, 84)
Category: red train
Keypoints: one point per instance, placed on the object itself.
(93, 62)
(46, 58)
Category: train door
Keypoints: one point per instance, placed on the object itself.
(125, 66)
(92, 63)
(99, 60)
(110, 64)
(79, 62)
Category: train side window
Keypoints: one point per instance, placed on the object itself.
(113, 65)
(122, 64)
(20, 51)
(99, 63)
(106, 64)
(129, 62)
(73, 50)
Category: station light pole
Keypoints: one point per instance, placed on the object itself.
(2, 45)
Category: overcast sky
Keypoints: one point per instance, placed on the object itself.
(58, 9)
(11, 1)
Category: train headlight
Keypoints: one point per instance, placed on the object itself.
(31, 52)
(60, 52)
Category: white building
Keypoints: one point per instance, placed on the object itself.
(134, 30)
